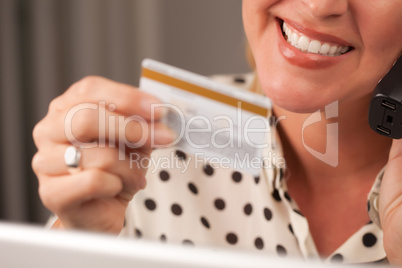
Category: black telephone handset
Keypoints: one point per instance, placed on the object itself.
(385, 115)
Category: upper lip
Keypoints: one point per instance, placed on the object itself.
(317, 35)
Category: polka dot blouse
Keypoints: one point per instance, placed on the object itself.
(202, 205)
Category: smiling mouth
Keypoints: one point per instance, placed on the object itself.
(309, 45)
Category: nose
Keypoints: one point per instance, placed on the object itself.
(322, 9)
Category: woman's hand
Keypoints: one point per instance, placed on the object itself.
(390, 204)
(112, 123)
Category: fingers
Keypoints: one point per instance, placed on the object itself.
(99, 112)
(391, 186)
(67, 192)
(49, 162)
(89, 127)
(126, 99)
(110, 121)
(396, 149)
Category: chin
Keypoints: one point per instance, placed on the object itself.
(294, 98)
(295, 104)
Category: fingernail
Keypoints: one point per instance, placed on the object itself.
(163, 136)
(148, 103)
(161, 111)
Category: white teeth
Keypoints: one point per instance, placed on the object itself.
(288, 32)
(314, 47)
(304, 44)
(344, 50)
(293, 39)
(325, 49)
(332, 50)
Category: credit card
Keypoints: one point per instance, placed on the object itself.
(222, 124)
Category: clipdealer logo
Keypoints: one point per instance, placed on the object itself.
(200, 132)
(331, 155)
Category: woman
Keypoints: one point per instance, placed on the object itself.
(337, 51)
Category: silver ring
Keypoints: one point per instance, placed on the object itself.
(72, 158)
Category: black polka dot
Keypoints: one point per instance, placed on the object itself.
(138, 233)
(205, 222)
(369, 240)
(248, 209)
(276, 195)
(281, 251)
(150, 204)
(209, 170)
(163, 238)
(267, 214)
(176, 209)
(220, 204)
(368, 206)
(239, 80)
(181, 155)
(193, 188)
(337, 258)
(291, 228)
(231, 238)
(287, 196)
(298, 212)
(188, 242)
(237, 176)
(257, 179)
(281, 174)
(124, 223)
(259, 243)
(164, 175)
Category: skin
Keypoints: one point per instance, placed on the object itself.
(98, 195)
(297, 91)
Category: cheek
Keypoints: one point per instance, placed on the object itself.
(255, 16)
(295, 92)
(382, 32)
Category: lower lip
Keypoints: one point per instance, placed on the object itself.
(305, 60)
